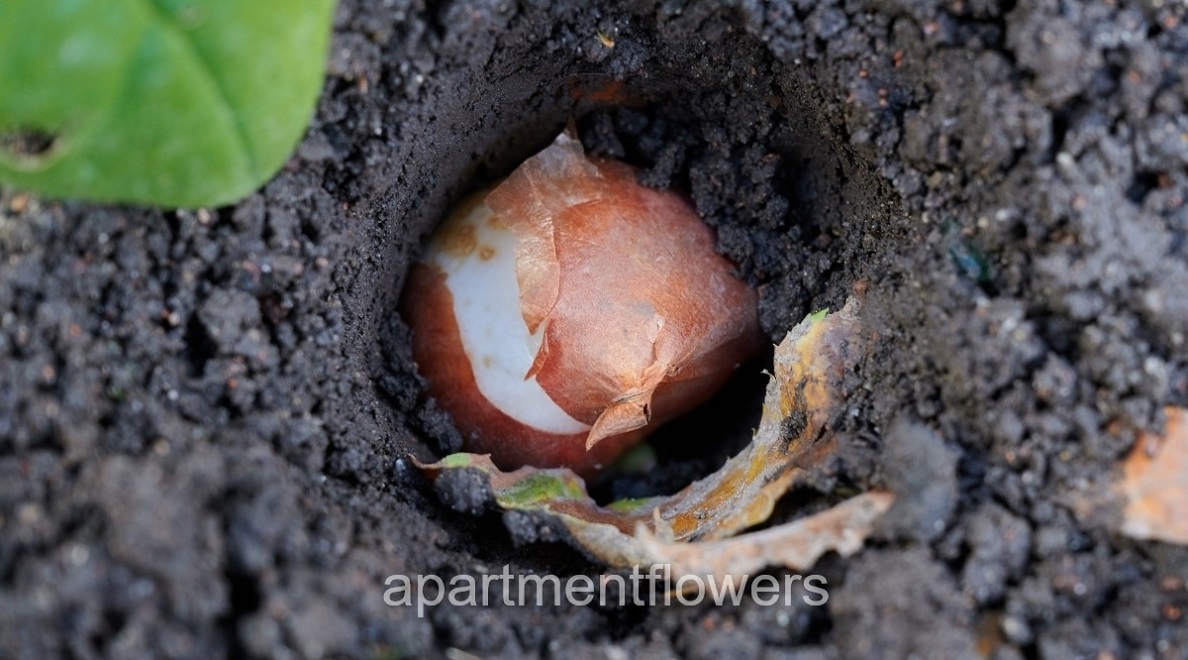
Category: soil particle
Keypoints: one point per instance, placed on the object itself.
(201, 411)
(922, 472)
(464, 491)
(999, 544)
(892, 595)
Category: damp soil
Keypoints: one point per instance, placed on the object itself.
(205, 416)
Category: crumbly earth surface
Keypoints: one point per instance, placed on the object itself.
(205, 415)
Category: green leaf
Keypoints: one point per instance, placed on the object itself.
(167, 102)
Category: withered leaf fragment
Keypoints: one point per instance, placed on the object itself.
(1155, 483)
(796, 545)
(810, 369)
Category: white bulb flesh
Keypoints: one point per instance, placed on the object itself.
(479, 262)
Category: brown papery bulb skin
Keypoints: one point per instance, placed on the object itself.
(569, 311)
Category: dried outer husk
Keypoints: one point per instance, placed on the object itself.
(642, 318)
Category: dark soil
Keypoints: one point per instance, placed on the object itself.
(202, 414)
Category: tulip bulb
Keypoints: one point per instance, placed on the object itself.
(568, 311)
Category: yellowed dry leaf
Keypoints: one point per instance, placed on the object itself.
(796, 545)
(685, 529)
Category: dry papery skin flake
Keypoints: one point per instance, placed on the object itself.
(562, 315)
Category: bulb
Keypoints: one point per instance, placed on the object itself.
(568, 311)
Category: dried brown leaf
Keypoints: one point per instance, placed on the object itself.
(796, 545)
(1155, 483)
(804, 393)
